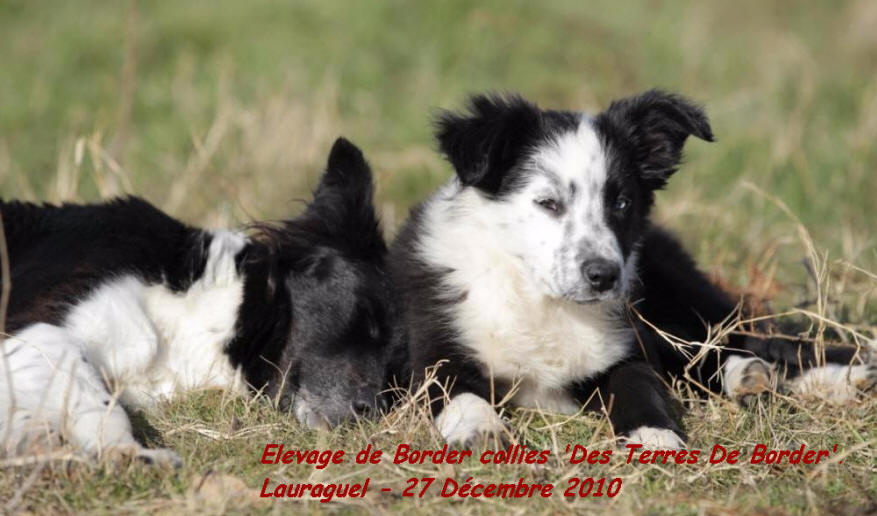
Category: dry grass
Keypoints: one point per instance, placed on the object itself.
(222, 441)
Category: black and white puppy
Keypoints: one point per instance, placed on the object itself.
(118, 305)
(519, 275)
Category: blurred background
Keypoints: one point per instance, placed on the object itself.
(222, 111)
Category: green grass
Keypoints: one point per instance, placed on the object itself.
(222, 112)
(222, 441)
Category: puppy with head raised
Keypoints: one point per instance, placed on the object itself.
(118, 305)
(518, 275)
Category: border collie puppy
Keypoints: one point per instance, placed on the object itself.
(523, 276)
(119, 302)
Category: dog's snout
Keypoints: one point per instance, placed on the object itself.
(601, 274)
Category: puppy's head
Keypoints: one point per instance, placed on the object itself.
(568, 194)
(326, 272)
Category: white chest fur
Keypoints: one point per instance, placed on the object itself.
(519, 334)
(151, 342)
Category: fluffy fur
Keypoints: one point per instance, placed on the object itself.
(523, 273)
(118, 305)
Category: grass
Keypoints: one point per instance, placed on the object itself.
(222, 440)
(222, 112)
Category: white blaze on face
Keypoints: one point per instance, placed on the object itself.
(571, 169)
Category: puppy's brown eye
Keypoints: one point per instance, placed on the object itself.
(550, 204)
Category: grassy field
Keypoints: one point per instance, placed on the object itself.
(222, 112)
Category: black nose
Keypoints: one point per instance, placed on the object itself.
(363, 408)
(601, 274)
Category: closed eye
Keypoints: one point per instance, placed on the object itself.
(374, 330)
(369, 323)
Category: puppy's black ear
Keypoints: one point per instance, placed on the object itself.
(488, 139)
(347, 173)
(342, 207)
(655, 125)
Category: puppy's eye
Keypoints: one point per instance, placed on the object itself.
(621, 204)
(550, 204)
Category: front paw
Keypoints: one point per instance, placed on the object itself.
(747, 379)
(836, 383)
(470, 421)
(160, 457)
(653, 438)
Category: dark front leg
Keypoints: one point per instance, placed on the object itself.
(640, 406)
(802, 354)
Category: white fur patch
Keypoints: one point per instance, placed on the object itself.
(466, 418)
(144, 342)
(835, 383)
(153, 343)
(656, 438)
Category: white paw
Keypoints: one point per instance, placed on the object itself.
(655, 438)
(869, 352)
(161, 457)
(469, 418)
(836, 383)
(745, 377)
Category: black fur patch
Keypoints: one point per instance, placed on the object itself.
(59, 254)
